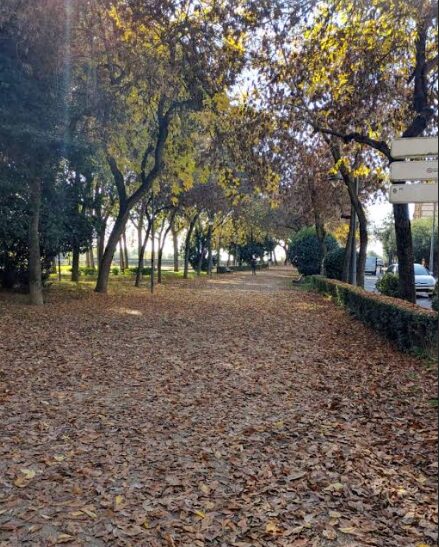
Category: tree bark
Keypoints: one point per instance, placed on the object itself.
(107, 259)
(152, 249)
(126, 256)
(141, 261)
(321, 235)
(176, 253)
(346, 275)
(404, 245)
(92, 258)
(200, 257)
(121, 256)
(75, 264)
(187, 246)
(209, 252)
(59, 268)
(364, 238)
(101, 243)
(35, 273)
(162, 243)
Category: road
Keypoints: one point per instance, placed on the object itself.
(370, 282)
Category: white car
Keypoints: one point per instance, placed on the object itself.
(424, 281)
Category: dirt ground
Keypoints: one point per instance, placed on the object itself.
(230, 412)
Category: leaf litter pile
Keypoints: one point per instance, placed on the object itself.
(234, 412)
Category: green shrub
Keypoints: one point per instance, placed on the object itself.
(145, 271)
(334, 264)
(305, 252)
(87, 271)
(388, 285)
(115, 271)
(411, 327)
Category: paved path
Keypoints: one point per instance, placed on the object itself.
(231, 412)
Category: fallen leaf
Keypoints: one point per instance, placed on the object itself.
(28, 473)
(272, 528)
(329, 533)
(118, 502)
(89, 513)
(64, 538)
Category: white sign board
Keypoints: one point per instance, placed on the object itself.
(413, 170)
(414, 147)
(414, 193)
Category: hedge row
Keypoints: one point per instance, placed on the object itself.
(410, 327)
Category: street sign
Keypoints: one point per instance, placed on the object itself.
(414, 147)
(413, 170)
(422, 192)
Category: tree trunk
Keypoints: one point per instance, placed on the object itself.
(162, 243)
(176, 253)
(285, 248)
(87, 259)
(364, 240)
(152, 250)
(126, 256)
(187, 246)
(218, 255)
(346, 275)
(209, 252)
(321, 235)
(59, 268)
(75, 264)
(107, 259)
(35, 273)
(121, 256)
(200, 258)
(101, 244)
(141, 261)
(362, 220)
(404, 244)
(92, 258)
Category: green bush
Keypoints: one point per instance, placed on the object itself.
(87, 271)
(145, 271)
(334, 264)
(305, 252)
(388, 285)
(411, 327)
(115, 271)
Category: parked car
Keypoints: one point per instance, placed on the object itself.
(424, 281)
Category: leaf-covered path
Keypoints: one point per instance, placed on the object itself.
(231, 412)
